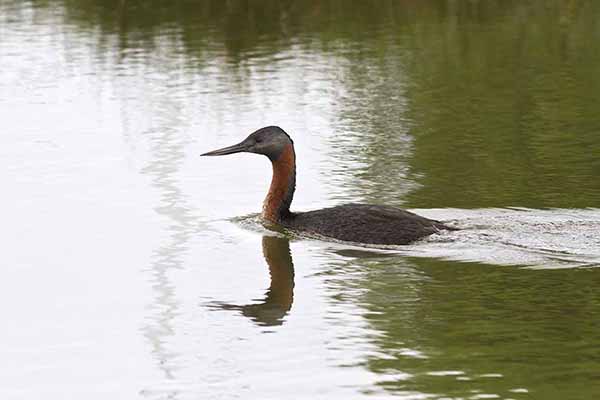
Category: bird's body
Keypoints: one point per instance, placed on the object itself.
(364, 223)
(359, 223)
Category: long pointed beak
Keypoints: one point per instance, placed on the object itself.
(236, 148)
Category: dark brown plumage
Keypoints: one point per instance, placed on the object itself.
(364, 223)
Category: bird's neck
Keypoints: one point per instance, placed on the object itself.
(277, 203)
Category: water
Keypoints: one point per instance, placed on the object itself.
(133, 268)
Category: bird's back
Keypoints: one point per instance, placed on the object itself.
(365, 223)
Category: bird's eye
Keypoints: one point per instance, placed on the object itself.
(258, 140)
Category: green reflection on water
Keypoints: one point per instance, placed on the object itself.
(462, 104)
(456, 328)
(506, 109)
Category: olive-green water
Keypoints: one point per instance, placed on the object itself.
(133, 268)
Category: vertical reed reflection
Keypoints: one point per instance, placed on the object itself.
(167, 153)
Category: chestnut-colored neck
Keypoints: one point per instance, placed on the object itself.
(277, 203)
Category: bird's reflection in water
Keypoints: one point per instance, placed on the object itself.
(272, 309)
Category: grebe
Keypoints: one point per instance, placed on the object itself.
(360, 223)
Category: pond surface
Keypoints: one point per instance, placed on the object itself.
(133, 268)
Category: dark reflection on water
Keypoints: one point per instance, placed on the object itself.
(278, 299)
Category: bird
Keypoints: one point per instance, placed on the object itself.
(368, 224)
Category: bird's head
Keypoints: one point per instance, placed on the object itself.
(270, 141)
